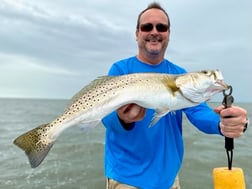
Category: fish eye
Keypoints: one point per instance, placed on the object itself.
(210, 73)
(205, 72)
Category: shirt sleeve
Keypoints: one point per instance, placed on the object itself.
(204, 118)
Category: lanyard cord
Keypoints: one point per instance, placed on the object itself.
(229, 151)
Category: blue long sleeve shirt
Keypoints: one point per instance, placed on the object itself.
(150, 158)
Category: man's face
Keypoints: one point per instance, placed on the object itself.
(155, 41)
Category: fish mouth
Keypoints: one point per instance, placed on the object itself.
(223, 84)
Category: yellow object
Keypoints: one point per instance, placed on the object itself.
(223, 178)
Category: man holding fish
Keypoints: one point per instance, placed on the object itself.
(144, 144)
(137, 156)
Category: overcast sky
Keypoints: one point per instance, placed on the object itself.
(52, 48)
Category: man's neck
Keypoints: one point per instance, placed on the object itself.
(152, 59)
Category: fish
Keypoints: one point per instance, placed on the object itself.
(162, 92)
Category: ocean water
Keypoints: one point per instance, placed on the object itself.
(76, 159)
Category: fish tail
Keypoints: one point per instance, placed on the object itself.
(35, 143)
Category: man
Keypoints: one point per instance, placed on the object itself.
(137, 156)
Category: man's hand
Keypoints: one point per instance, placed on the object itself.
(131, 113)
(233, 120)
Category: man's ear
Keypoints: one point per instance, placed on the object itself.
(137, 32)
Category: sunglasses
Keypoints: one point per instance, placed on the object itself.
(149, 27)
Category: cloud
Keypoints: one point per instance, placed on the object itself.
(57, 37)
(50, 41)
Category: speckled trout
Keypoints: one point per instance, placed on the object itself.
(162, 92)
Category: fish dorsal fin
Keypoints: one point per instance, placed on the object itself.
(99, 81)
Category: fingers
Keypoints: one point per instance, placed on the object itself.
(219, 109)
(233, 121)
(233, 131)
(234, 111)
(131, 113)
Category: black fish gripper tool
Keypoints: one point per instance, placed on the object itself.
(229, 142)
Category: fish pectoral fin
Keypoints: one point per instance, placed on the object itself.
(35, 144)
(157, 116)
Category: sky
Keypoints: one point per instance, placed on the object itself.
(51, 49)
